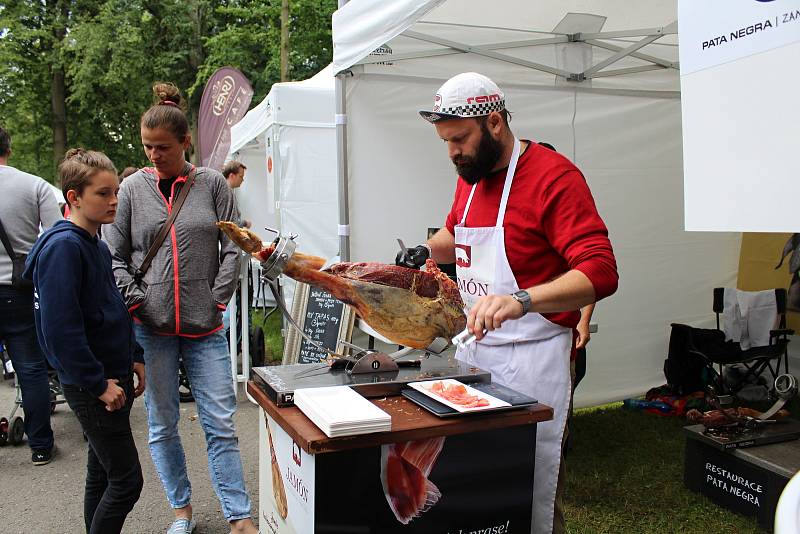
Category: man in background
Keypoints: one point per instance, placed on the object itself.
(234, 173)
(26, 203)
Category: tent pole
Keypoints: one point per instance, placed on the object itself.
(340, 91)
(341, 158)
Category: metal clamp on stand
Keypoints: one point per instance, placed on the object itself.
(373, 361)
(272, 268)
(276, 263)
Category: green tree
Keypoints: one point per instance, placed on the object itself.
(114, 59)
(250, 41)
(110, 52)
(33, 101)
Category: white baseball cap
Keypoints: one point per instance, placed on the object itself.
(465, 95)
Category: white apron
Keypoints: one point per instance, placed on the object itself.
(530, 354)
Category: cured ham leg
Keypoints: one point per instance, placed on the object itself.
(409, 307)
(404, 476)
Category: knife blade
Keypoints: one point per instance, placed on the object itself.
(773, 410)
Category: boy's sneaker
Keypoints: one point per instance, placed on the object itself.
(43, 456)
(182, 526)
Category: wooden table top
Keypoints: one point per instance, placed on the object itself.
(409, 422)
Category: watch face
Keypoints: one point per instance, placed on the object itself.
(524, 298)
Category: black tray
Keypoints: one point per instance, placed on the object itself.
(514, 398)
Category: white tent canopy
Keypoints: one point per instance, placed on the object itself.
(618, 120)
(523, 42)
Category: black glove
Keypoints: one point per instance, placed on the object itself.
(413, 258)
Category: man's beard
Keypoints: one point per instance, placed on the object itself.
(473, 168)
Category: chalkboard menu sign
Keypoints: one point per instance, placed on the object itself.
(323, 318)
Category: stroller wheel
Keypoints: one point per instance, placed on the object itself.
(3, 431)
(16, 431)
(185, 395)
(184, 386)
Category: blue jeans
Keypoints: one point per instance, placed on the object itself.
(18, 330)
(208, 367)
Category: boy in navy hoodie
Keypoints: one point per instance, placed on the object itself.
(86, 333)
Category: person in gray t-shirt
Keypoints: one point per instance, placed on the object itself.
(27, 204)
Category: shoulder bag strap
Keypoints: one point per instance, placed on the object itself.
(162, 234)
(6, 242)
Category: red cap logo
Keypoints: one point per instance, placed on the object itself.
(437, 102)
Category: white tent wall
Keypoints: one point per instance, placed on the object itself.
(624, 132)
(255, 197)
(307, 172)
(666, 274)
(293, 128)
(305, 168)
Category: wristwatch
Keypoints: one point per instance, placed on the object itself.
(524, 298)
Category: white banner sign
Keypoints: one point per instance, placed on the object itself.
(718, 31)
(740, 73)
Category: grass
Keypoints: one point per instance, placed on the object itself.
(625, 475)
(273, 340)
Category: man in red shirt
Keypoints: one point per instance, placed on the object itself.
(530, 250)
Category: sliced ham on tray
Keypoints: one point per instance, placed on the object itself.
(457, 394)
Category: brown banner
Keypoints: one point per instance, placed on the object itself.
(225, 100)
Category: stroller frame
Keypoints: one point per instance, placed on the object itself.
(12, 428)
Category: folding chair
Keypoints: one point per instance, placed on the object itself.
(755, 359)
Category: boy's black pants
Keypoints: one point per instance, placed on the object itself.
(113, 473)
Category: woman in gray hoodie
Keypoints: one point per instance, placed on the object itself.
(177, 306)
